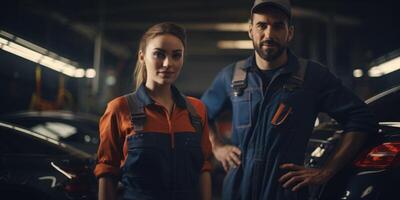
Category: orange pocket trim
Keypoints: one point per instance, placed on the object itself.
(278, 113)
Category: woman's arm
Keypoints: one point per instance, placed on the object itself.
(205, 185)
(107, 188)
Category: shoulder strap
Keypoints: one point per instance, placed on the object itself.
(138, 116)
(239, 79)
(136, 108)
(194, 116)
(297, 78)
(301, 71)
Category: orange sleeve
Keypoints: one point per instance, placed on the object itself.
(205, 141)
(110, 153)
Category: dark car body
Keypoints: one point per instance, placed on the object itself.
(375, 172)
(76, 129)
(34, 166)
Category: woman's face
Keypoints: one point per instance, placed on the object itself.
(163, 58)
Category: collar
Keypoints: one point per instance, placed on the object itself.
(145, 98)
(290, 66)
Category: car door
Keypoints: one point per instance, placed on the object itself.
(28, 162)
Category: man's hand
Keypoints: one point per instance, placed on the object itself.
(300, 176)
(228, 155)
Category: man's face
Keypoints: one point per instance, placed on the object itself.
(270, 33)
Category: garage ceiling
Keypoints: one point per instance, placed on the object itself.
(69, 27)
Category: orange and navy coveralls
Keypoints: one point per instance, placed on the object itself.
(165, 160)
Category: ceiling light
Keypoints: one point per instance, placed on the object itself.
(90, 73)
(235, 44)
(79, 73)
(231, 27)
(385, 67)
(358, 73)
(34, 53)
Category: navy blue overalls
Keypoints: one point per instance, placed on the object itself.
(272, 127)
(154, 170)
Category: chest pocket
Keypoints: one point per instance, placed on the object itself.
(241, 106)
(147, 153)
(295, 104)
(281, 114)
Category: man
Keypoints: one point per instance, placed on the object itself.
(275, 98)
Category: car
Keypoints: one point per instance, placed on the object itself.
(77, 129)
(375, 173)
(34, 166)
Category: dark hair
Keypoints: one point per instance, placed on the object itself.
(152, 32)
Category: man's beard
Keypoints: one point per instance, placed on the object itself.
(269, 54)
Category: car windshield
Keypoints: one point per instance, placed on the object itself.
(386, 105)
(55, 130)
(74, 129)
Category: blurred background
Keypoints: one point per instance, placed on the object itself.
(67, 59)
(96, 41)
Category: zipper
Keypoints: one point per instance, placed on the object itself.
(276, 75)
(170, 132)
(266, 93)
(173, 153)
(260, 82)
(170, 125)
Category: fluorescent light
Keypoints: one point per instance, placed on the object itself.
(219, 26)
(3, 41)
(90, 73)
(34, 53)
(375, 72)
(6, 35)
(49, 62)
(358, 73)
(20, 53)
(385, 68)
(235, 44)
(27, 51)
(30, 45)
(231, 27)
(79, 73)
(58, 64)
(69, 71)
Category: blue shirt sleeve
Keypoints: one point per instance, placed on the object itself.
(216, 98)
(344, 106)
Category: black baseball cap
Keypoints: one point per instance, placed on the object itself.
(283, 5)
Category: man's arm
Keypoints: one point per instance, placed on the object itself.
(299, 176)
(352, 114)
(348, 149)
(228, 155)
(215, 99)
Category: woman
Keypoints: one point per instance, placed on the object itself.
(155, 139)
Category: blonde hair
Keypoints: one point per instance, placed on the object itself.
(152, 32)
